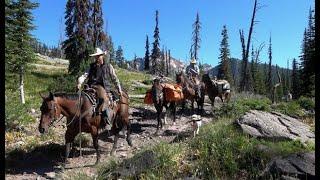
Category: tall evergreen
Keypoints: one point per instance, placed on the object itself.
(119, 57)
(18, 49)
(308, 58)
(224, 65)
(269, 75)
(146, 56)
(78, 44)
(295, 82)
(98, 36)
(169, 62)
(196, 39)
(156, 54)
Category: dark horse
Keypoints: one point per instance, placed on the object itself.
(212, 89)
(159, 101)
(68, 105)
(192, 91)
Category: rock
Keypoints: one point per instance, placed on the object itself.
(301, 166)
(275, 126)
(32, 110)
(51, 174)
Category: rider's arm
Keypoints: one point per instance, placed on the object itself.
(82, 78)
(114, 78)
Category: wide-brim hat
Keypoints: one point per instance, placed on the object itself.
(195, 117)
(193, 61)
(98, 52)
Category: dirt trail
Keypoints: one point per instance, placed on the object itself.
(39, 164)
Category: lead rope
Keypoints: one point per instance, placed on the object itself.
(79, 92)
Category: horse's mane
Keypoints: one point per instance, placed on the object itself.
(72, 96)
(187, 80)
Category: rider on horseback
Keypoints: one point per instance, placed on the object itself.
(102, 73)
(192, 71)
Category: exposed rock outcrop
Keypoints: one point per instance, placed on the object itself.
(274, 126)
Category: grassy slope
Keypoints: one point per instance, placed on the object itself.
(220, 150)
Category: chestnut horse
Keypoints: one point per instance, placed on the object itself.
(69, 106)
(212, 89)
(192, 91)
(159, 101)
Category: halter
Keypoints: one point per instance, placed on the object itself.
(55, 115)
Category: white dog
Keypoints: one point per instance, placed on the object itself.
(196, 124)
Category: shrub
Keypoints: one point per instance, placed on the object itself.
(291, 109)
(306, 103)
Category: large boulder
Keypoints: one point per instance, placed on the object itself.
(295, 166)
(274, 126)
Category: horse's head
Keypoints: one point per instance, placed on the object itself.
(49, 112)
(157, 90)
(179, 77)
(206, 78)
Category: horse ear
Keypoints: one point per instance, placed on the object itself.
(50, 95)
(43, 97)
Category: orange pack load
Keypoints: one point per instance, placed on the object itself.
(172, 92)
(148, 97)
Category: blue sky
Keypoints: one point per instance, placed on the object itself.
(129, 21)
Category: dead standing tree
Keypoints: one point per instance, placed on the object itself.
(274, 88)
(245, 84)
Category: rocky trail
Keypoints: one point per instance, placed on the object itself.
(45, 161)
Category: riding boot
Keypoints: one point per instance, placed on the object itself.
(106, 116)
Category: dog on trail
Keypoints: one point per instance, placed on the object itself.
(196, 124)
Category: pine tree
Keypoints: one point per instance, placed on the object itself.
(169, 62)
(269, 75)
(146, 56)
(196, 37)
(156, 54)
(18, 50)
(119, 57)
(97, 21)
(78, 44)
(295, 82)
(224, 65)
(308, 58)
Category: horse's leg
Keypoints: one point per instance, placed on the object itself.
(69, 138)
(128, 133)
(173, 109)
(115, 141)
(166, 115)
(94, 134)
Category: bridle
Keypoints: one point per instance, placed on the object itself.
(55, 119)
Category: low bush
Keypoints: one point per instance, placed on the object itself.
(306, 103)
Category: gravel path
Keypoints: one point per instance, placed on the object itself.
(45, 163)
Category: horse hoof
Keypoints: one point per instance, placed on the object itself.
(112, 153)
(129, 142)
(97, 162)
(174, 123)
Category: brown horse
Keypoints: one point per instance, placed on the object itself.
(70, 105)
(159, 101)
(193, 91)
(212, 89)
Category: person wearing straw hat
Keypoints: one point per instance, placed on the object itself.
(101, 73)
(192, 69)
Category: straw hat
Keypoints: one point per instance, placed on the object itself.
(98, 52)
(193, 61)
(195, 117)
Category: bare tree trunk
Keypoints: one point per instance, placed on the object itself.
(21, 86)
(275, 88)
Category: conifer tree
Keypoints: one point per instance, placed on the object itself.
(307, 58)
(224, 65)
(78, 44)
(146, 56)
(18, 51)
(295, 82)
(156, 54)
(196, 39)
(269, 75)
(98, 36)
(119, 57)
